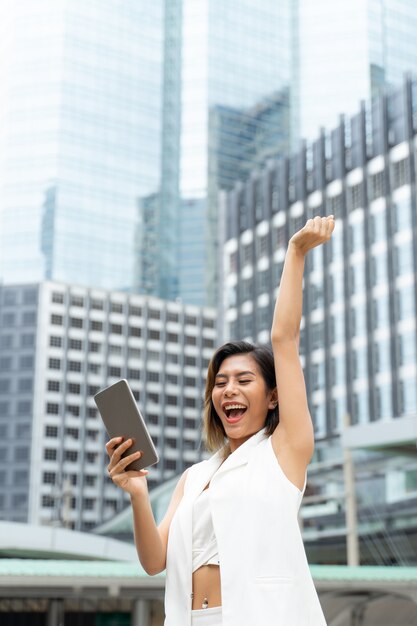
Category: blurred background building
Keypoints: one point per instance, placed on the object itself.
(358, 337)
(119, 126)
(61, 344)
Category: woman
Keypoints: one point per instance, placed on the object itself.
(230, 540)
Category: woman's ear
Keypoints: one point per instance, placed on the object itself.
(273, 401)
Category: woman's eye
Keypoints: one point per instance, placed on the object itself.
(243, 382)
(219, 384)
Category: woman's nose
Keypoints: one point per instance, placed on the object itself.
(229, 389)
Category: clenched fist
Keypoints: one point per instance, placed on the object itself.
(316, 231)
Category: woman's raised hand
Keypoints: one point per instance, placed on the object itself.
(316, 231)
(132, 481)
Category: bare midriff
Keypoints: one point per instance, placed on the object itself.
(206, 586)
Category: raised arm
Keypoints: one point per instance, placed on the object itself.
(293, 439)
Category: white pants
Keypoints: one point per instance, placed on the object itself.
(207, 617)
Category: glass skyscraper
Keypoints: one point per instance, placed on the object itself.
(347, 51)
(80, 128)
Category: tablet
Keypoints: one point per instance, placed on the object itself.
(122, 418)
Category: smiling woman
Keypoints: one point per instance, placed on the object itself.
(243, 374)
(230, 540)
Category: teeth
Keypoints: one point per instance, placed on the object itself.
(234, 406)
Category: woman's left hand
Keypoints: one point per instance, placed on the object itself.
(316, 231)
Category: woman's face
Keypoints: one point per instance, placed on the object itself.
(241, 399)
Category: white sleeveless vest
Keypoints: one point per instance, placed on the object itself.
(265, 578)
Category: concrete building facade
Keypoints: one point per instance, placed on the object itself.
(358, 338)
(60, 344)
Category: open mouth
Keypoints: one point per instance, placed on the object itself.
(234, 412)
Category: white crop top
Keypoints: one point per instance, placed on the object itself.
(204, 540)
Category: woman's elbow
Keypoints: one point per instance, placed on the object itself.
(153, 570)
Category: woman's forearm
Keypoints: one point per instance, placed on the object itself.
(149, 545)
(289, 304)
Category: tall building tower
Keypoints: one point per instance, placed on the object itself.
(80, 136)
(348, 51)
(359, 336)
(226, 111)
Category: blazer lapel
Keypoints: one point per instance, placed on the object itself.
(243, 452)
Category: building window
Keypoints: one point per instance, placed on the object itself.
(96, 325)
(49, 478)
(134, 353)
(27, 340)
(54, 364)
(152, 377)
(55, 342)
(51, 431)
(73, 409)
(71, 455)
(97, 305)
(172, 317)
(25, 385)
(74, 366)
(401, 174)
(116, 329)
(354, 196)
(29, 318)
(48, 502)
(154, 314)
(6, 341)
(154, 334)
(26, 362)
(376, 188)
(57, 320)
(54, 385)
(72, 432)
(52, 408)
(233, 263)
(262, 245)
(50, 454)
(24, 407)
(75, 344)
(77, 301)
(74, 388)
(133, 374)
(135, 310)
(112, 370)
(57, 297)
(89, 504)
(246, 254)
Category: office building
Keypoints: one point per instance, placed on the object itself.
(104, 110)
(80, 137)
(358, 337)
(347, 51)
(60, 344)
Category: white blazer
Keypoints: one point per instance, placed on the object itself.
(265, 578)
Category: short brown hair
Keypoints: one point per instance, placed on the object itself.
(213, 431)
